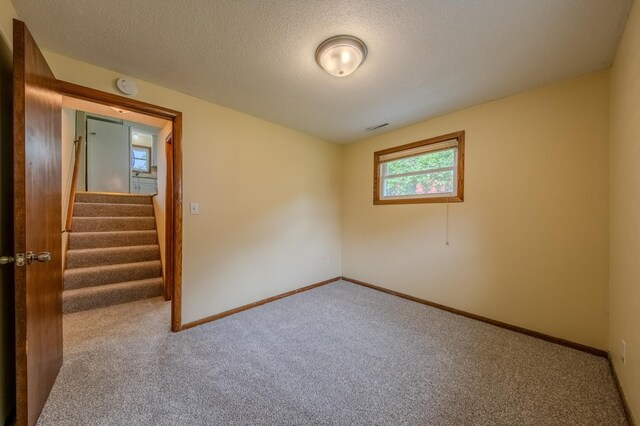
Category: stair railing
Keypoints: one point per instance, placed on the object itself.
(74, 179)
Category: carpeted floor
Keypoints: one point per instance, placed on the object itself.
(339, 354)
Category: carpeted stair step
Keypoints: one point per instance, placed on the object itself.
(85, 240)
(105, 197)
(104, 224)
(86, 258)
(113, 255)
(111, 210)
(109, 274)
(83, 299)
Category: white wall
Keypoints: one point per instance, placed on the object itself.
(529, 244)
(625, 211)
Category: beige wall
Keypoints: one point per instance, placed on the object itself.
(529, 245)
(269, 199)
(7, 15)
(625, 211)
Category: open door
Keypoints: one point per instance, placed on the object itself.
(37, 107)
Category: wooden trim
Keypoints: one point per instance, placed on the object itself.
(625, 403)
(418, 200)
(459, 136)
(254, 304)
(109, 99)
(461, 165)
(77, 145)
(20, 219)
(176, 297)
(430, 141)
(517, 329)
(172, 259)
(167, 291)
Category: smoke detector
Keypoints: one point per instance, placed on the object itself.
(127, 86)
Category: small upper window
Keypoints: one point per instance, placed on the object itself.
(140, 157)
(429, 171)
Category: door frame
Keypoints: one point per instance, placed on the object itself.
(169, 209)
(173, 258)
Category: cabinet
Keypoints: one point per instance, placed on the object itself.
(143, 185)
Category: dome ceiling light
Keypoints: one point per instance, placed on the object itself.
(120, 110)
(341, 55)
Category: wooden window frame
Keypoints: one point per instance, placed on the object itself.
(458, 198)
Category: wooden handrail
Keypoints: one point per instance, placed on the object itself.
(74, 180)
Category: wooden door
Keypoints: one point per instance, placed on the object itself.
(37, 107)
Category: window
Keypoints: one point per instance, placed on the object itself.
(140, 157)
(429, 171)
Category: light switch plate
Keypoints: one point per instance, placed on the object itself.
(195, 208)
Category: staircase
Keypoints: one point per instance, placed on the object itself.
(113, 255)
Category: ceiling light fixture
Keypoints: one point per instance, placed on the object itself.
(120, 110)
(341, 55)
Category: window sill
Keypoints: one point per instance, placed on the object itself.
(456, 199)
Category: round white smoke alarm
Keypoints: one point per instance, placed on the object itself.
(127, 86)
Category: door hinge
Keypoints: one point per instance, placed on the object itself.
(19, 260)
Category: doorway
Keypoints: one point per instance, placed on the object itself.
(114, 246)
(173, 182)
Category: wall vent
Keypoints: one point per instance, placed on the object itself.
(368, 129)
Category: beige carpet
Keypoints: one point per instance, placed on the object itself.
(340, 354)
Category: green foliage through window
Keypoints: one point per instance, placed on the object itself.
(422, 162)
(420, 174)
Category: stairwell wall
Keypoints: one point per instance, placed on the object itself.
(68, 136)
(159, 201)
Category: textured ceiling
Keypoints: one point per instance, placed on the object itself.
(426, 57)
